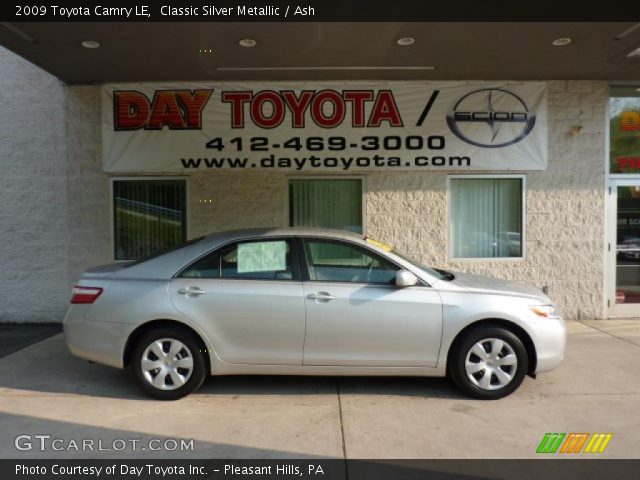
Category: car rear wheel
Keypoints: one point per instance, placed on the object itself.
(488, 363)
(168, 363)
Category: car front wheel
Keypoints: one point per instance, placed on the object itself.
(489, 362)
(168, 364)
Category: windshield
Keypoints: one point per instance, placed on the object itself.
(434, 272)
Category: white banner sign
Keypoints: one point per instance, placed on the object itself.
(324, 126)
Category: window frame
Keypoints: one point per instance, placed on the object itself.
(112, 217)
(612, 182)
(296, 273)
(305, 258)
(523, 179)
(363, 184)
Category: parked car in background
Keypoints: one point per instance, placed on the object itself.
(510, 244)
(308, 302)
(629, 249)
(484, 245)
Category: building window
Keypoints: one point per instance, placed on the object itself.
(486, 217)
(326, 203)
(624, 129)
(149, 216)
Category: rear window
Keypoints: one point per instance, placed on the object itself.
(173, 249)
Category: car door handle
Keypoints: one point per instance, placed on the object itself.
(320, 296)
(191, 291)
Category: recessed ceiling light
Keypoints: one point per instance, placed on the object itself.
(247, 42)
(206, 50)
(90, 44)
(406, 41)
(560, 42)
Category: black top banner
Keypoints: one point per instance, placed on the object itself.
(316, 11)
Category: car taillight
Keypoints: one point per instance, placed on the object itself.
(81, 294)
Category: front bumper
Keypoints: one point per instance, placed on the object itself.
(550, 340)
(100, 342)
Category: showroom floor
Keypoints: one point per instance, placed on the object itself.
(44, 390)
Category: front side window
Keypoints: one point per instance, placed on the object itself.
(258, 260)
(334, 261)
(486, 217)
(149, 217)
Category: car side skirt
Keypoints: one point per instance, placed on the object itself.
(221, 368)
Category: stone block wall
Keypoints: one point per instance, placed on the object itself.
(33, 214)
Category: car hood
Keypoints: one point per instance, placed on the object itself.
(495, 286)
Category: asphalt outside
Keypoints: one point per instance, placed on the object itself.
(46, 391)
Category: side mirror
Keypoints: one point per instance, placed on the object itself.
(405, 278)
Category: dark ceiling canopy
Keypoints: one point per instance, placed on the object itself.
(318, 51)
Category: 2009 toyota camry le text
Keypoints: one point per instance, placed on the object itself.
(308, 302)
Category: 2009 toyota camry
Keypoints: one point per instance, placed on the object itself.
(308, 302)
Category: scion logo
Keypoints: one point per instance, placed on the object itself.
(491, 118)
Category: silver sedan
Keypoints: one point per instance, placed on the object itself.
(308, 302)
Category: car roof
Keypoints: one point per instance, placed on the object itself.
(265, 232)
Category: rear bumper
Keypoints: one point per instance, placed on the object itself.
(100, 342)
(550, 340)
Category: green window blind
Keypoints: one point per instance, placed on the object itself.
(324, 203)
(486, 217)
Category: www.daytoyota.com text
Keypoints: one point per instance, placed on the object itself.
(325, 158)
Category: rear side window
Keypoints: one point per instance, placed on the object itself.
(206, 267)
(257, 259)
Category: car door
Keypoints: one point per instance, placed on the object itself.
(357, 316)
(248, 298)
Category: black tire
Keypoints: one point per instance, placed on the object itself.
(193, 347)
(458, 373)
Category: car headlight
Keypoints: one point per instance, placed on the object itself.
(545, 311)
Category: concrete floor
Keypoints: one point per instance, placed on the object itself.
(43, 390)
